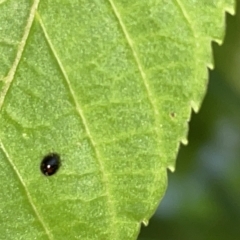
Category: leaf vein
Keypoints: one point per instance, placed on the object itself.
(84, 121)
(10, 76)
(195, 46)
(150, 94)
(29, 198)
(136, 58)
(186, 16)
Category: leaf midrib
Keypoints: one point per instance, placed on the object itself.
(80, 113)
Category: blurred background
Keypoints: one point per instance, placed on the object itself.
(202, 201)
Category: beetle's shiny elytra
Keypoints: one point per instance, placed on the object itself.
(50, 164)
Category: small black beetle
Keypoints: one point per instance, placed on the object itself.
(50, 164)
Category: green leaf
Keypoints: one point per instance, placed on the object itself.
(109, 85)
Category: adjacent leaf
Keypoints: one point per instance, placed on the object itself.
(109, 86)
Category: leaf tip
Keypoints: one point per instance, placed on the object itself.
(184, 141)
(145, 222)
(171, 168)
(231, 10)
(210, 65)
(195, 106)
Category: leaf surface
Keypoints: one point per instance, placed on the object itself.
(109, 85)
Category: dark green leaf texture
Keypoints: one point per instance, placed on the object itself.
(109, 85)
